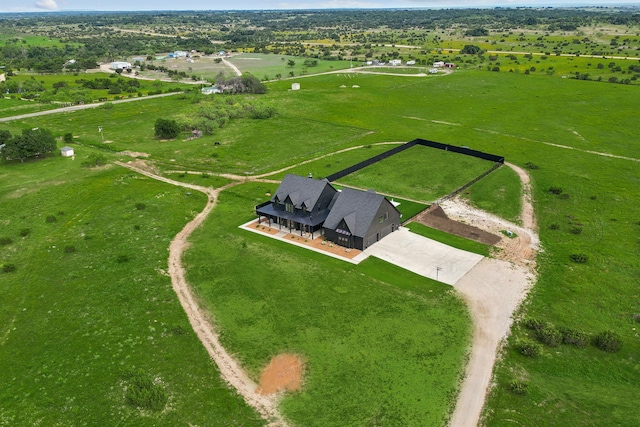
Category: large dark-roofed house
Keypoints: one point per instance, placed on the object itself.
(299, 203)
(358, 219)
(350, 218)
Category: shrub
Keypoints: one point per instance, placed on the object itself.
(25, 232)
(122, 258)
(5, 241)
(554, 226)
(140, 206)
(555, 190)
(143, 392)
(69, 249)
(575, 230)
(94, 161)
(531, 166)
(136, 227)
(68, 138)
(518, 387)
(8, 268)
(534, 324)
(573, 337)
(166, 129)
(608, 341)
(51, 218)
(529, 348)
(549, 335)
(579, 258)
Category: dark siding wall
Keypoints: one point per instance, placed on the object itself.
(380, 229)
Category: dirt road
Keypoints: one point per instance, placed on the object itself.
(493, 290)
(230, 369)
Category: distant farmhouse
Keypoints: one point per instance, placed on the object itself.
(350, 218)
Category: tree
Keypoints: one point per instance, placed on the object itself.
(166, 129)
(32, 143)
(291, 63)
(471, 49)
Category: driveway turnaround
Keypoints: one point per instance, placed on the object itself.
(423, 256)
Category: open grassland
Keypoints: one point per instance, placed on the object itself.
(12, 107)
(379, 342)
(499, 192)
(90, 304)
(204, 67)
(421, 173)
(267, 66)
(515, 115)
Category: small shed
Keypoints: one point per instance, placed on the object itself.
(295, 86)
(67, 151)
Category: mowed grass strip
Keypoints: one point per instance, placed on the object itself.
(379, 342)
(421, 173)
(450, 239)
(90, 306)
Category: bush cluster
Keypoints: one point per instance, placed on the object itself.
(518, 387)
(143, 392)
(608, 341)
(579, 258)
(529, 348)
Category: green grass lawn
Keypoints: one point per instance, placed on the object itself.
(379, 342)
(498, 193)
(90, 302)
(450, 239)
(420, 173)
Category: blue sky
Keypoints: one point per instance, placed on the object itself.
(57, 5)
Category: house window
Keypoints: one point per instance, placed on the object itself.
(289, 207)
(383, 218)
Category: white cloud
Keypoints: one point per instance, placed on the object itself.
(47, 5)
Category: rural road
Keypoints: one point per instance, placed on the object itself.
(81, 107)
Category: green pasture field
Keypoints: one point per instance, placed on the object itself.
(419, 173)
(558, 124)
(74, 89)
(268, 65)
(450, 239)
(90, 301)
(204, 68)
(31, 40)
(499, 192)
(380, 343)
(11, 107)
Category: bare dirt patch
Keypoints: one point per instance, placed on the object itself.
(283, 373)
(133, 154)
(435, 217)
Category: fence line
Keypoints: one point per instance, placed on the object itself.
(424, 142)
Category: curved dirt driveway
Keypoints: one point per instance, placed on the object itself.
(230, 369)
(493, 290)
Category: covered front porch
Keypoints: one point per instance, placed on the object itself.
(306, 225)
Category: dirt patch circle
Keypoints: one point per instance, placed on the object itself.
(283, 373)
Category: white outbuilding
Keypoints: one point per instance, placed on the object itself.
(295, 86)
(120, 65)
(67, 151)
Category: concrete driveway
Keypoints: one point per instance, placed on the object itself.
(423, 256)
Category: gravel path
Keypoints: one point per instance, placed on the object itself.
(493, 290)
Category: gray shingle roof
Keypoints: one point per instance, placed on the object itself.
(300, 190)
(357, 208)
